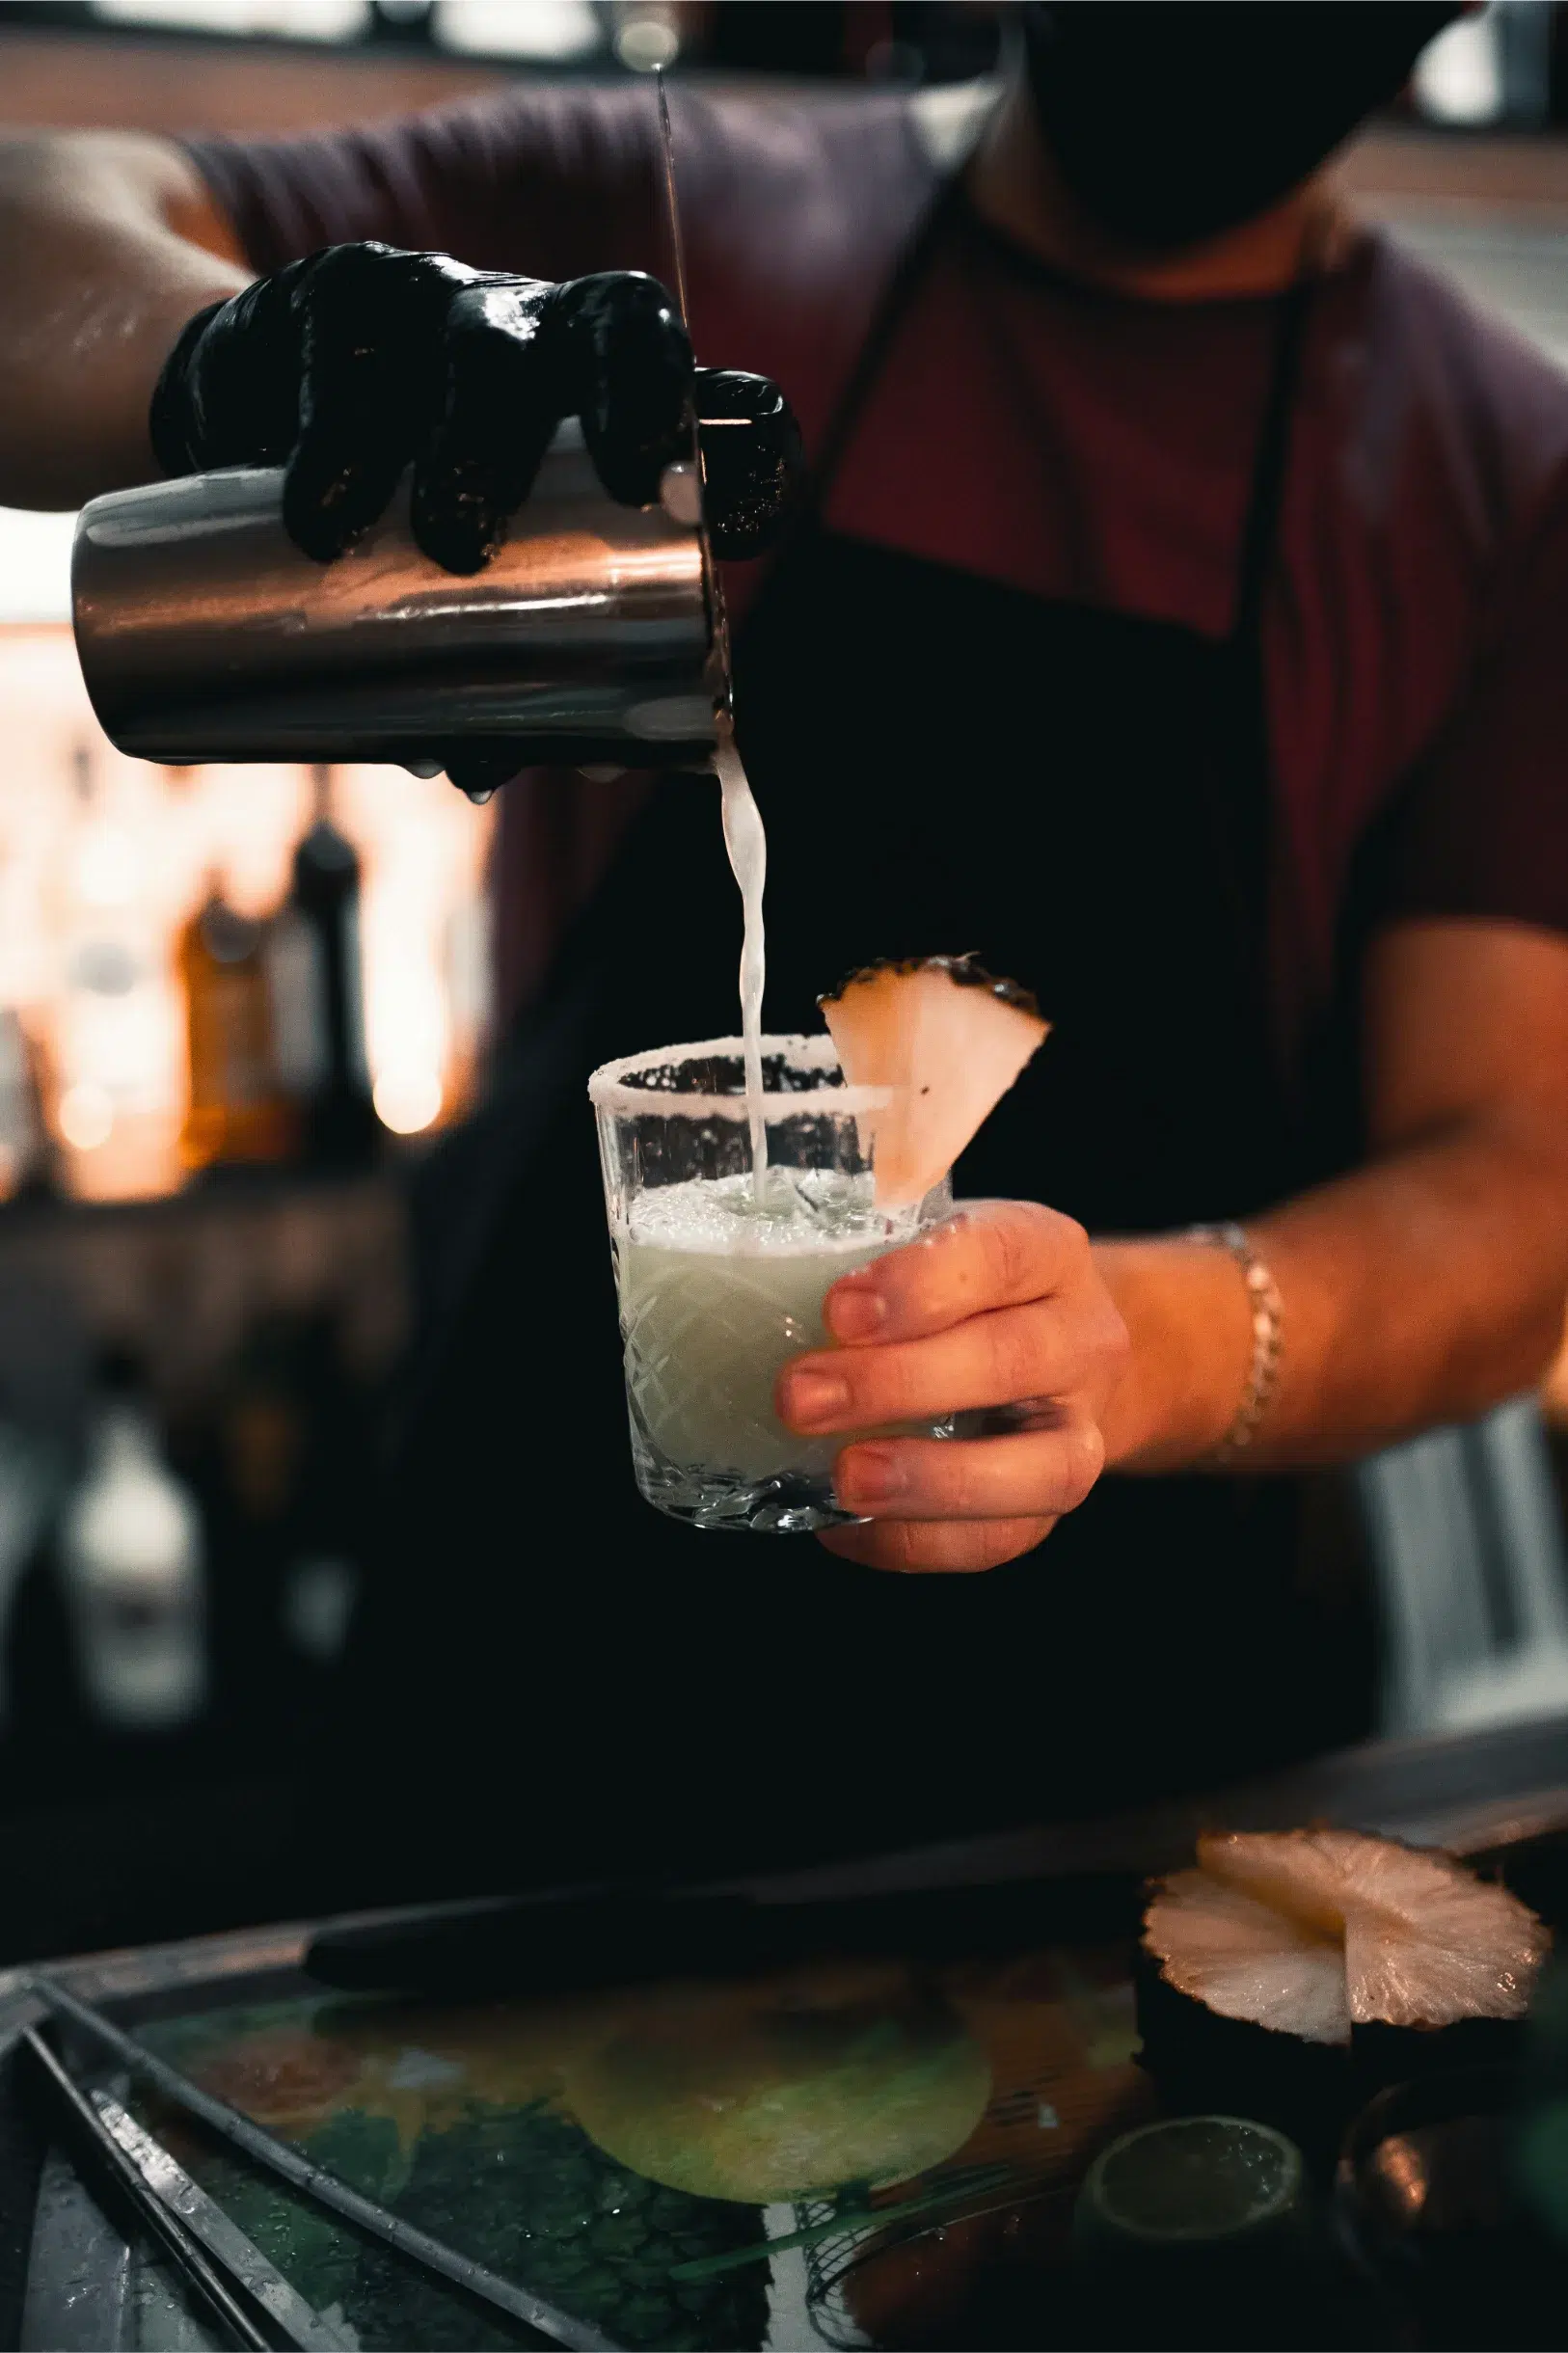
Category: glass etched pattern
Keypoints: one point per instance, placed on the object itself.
(719, 1281)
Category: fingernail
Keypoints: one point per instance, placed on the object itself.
(856, 1311)
(815, 1397)
(869, 1475)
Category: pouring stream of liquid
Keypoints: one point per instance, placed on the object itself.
(744, 840)
(747, 847)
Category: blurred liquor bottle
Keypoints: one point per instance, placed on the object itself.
(132, 1571)
(23, 1151)
(114, 1027)
(237, 1107)
(281, 1467)
(30, 1486)
(318, 994)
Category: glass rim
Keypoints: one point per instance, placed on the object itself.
(610, 1087)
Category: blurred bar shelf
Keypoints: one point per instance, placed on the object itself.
(182, 1279)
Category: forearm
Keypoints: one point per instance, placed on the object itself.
(107, 246)
(1419, 1289)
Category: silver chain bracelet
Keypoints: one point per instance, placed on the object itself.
(1267, 1311)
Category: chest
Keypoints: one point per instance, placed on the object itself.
(1069, 444)
(1019, 432)
(1071, 795)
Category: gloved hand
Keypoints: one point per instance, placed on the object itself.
(349, 366)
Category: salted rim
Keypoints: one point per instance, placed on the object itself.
(609, 1091)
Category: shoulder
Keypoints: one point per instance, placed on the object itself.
(796, 213)
(1457, 464)
(1448, 404)
(549, 177)
(540, 176)
(762, 179)
(794, 207)
(790, 184)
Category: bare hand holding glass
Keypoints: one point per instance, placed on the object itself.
(999, 1311)
(813, 1207)
(722, 1257)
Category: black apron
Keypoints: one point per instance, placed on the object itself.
(1082, 798)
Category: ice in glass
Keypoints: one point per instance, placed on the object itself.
(721, 1278)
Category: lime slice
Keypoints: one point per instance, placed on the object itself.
(1192, 2181)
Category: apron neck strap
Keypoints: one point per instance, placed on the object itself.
(1270, 464)
(892, 307)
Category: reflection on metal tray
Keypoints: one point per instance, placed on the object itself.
(849, 2152)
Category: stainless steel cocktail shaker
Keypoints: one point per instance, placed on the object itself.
(591, 637)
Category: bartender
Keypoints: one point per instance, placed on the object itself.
(1174, 616)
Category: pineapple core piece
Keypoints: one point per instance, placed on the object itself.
(1313, 1931)
(949, 1039)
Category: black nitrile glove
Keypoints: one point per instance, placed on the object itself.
(359, 361)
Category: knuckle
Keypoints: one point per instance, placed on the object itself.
(1007, 1539)
(902, 1545)
(1070, 1244)
(897, 1380)
(934, 1275)
(1115, 1340)
(874, 1384)
(1029, 1243)
(1014, 1359)
(906, 1280)
(1080, 1460)
(1001, 1254)
(1013, 1248)
(956, 1480)
(946, 1545)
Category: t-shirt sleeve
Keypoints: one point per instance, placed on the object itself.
(553, 180)
(1481, 828)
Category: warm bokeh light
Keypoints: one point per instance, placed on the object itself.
(85, 1116)
(102, 861)
(549, 31)
(331, 20)
(644, 43)
(424, 849)
(108, 866)
(407, 1101)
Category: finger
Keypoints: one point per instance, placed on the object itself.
(953, 1547)
(501, 400)
(987, 1360)
(752, 460)
(989, 1253)
(1048, 1473)
(632, 364)
(368, 352)
(230, 390)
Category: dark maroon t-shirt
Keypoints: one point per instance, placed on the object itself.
(1067, 441)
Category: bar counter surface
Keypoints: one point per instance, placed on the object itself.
(852, 2106)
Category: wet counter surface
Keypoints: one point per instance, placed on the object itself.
(866, 2149)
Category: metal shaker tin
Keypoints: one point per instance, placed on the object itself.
(204, 635)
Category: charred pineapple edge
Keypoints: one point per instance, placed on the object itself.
(962, 970)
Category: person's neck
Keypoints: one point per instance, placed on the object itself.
(1013, 184)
